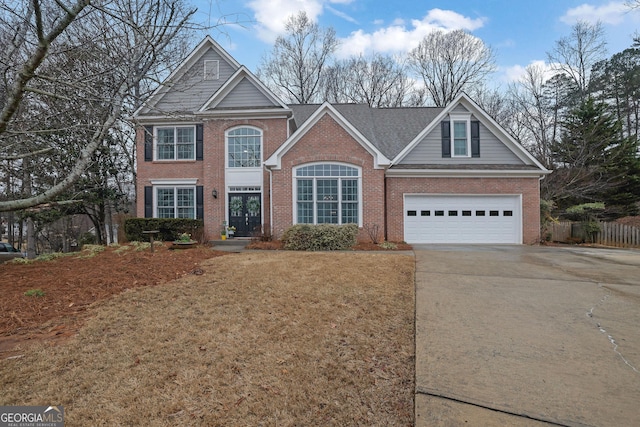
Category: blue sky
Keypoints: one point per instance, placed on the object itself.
(520, 32)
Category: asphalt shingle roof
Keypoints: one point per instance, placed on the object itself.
(388, 129)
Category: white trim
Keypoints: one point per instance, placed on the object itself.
(213, 68)
(232, 82)
(460, 118)
(176, 181)
(189, 61)
(226, 148)
(228, 193)
(174, 187)
(466, 173)
(486, 120)
(379, 159)
(519, 218)
(175, 143)
(294, 190)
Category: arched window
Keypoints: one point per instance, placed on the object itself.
(244, 148)
(328, 194)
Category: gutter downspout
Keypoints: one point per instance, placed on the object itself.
(270, 202)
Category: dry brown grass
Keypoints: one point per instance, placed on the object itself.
(260, 339)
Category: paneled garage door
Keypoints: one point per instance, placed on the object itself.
(462, 219)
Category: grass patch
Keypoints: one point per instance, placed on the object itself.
(268, 338)
(89, 251)
(35, 293)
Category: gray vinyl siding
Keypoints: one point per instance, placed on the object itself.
(460, 109)
(492, 151)
(245, 94)
(190, 91)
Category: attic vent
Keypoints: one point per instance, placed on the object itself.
(211, 70)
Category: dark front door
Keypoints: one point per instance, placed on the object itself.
(244, 213)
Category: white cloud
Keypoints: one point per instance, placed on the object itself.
(399, 38)
(272, 15)
(341, 15)
(451, 20)
(612, 13)
(517, 72)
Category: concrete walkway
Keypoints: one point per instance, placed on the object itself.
(527, 336)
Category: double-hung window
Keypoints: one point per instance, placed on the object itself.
(460, 140)
(244, 148)
(176, 143)
(175, 202)
(328, 194)
(461, 135)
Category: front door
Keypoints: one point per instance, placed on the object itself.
(244, 213)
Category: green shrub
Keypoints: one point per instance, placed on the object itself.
(87, 239)
(89, 251)
(388, 245)
(322, 237)
(35, 293)
(53, 255)
(169, 228)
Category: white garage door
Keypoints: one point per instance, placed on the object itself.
(462, 219)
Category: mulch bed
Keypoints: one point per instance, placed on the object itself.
(71, 284)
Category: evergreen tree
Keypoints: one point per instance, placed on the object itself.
(593, 162)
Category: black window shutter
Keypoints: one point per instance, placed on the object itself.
(475, 139)
(148, 143)
(199, 202)
(446, 139)
(148, 202)
(199, 142)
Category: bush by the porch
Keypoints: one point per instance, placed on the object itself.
(169, 228)
(321, 237)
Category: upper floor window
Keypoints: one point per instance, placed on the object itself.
(244, 148)
(211, 70)
(176, 143)
(460, 135)
(328, 194)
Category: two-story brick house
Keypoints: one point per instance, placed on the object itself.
(215, 143)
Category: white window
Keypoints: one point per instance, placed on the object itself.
(328, 194)
(211, 69)
(461, 135)
(176, 143)
(175, 202)
(244, 148)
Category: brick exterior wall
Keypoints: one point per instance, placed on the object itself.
(327, 141)
(210, 173)
(528, 187)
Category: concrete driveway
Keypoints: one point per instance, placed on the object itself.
(527, 336)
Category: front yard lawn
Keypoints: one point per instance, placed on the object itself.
(259, 338)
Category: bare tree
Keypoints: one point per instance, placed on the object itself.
(450, 63)
(535, 119)
(633, 4)
(493, 102)
(576, 54)
(70, 75)
(296, 66)
(378, 81)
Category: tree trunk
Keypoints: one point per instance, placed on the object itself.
(31, 238)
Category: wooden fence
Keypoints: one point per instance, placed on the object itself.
(611, 234)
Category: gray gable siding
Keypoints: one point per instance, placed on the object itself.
(492, 151)
(459, 109)
(190, 91)
(245, 94)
